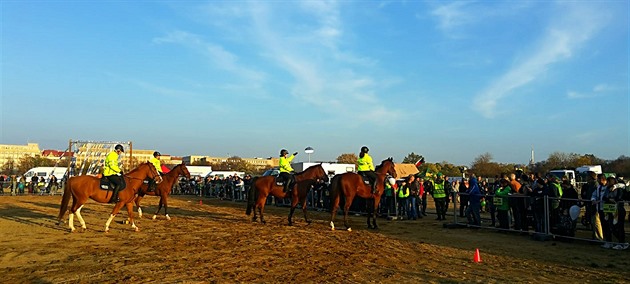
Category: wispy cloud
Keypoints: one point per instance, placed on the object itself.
(325, 76)
(216, 54)
(563, 37)
(597, 91)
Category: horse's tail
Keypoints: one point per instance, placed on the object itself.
(335, 186)
(65, 199)
(252, 196)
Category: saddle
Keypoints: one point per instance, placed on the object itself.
(366, 179)
(105, 184)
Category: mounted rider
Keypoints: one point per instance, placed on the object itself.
(113, 173)
(366, 167)
(158, 166)
(286, 171)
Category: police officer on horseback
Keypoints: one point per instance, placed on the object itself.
(158, 166)
(113, 173)
(366, 167)
(286, 171)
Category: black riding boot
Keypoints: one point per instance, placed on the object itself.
(114, 198)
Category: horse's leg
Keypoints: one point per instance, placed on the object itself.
(305, 214)
(260, 210)
(130, 212)
(333, 211)
(377, 200)
(165, 203)
(369, 215)
(112, 215)
(346, 209)
(78, 213)
(71, 214)
(158, 210)
(138, 198)
(294, 202)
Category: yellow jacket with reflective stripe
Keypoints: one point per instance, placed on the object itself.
(156, 162)
(365, 163)
(111, 164)
(285, 164)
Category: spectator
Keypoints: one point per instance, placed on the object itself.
(427, 187)
(585, 195)
(448, 190)
(439, 197)
(403, 194)
(600, 226)
(555, 194)
(412, 200)
(526, 202)
(501, 201)
(569, 195)
(616, 219)
(421, 196)
(514, 200)
(52, 185)
(239, 186)
(463, 197)
(388, 201)
(473, 212)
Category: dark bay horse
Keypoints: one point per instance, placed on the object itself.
(264, 186)
(163, 189)
(81, 188)
(351, 184)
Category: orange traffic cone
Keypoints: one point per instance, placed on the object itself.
(200, 203)
(477, 257)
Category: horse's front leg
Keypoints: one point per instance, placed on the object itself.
(113, 214)
(130, 212)
(305, 214)
(165, 203)
(158, 210)
(294, 203)
(138, 205)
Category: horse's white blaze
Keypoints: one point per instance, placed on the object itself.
(80, 217)
(109, 221)
(71, 222)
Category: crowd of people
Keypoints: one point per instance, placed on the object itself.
(20, 185)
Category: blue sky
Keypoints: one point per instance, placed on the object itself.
(448, 80)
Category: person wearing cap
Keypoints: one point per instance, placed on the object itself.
(286, 171)
(113, 173)
(366, 167)
(439, 197)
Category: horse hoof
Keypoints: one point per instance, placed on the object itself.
(332, 229)
(349, 229)
(168, 218)
(137, 229)
(154, 217)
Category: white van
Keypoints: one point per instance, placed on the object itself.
(45, 172)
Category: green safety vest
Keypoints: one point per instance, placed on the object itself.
(403, 192)
(438, 190)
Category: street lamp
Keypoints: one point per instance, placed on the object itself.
(309, 150)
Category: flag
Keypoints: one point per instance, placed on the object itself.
(420, 162)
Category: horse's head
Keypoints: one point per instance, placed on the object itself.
(185, 171)
(321, 173)
(153, 173)
(387, 166)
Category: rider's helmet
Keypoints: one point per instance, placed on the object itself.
(364, 149)
(156, 154)
(119, 147)
(283, 152)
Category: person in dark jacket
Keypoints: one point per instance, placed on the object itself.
(463, 197)
(473, 212)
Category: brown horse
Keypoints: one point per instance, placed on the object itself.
(351, 184)
(80, 188)
(263, 186)
(163, 189)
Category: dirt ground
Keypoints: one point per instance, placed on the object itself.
(215, 242)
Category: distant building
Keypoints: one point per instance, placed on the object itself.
(16, 152)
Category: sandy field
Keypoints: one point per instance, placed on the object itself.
(215, 242)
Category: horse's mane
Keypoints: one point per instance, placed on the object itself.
(383, 163)
(313, 167)
(138, 167)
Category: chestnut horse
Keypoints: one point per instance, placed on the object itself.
(163, 189)
(81, 188)
(351, 184)
(263, 186)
